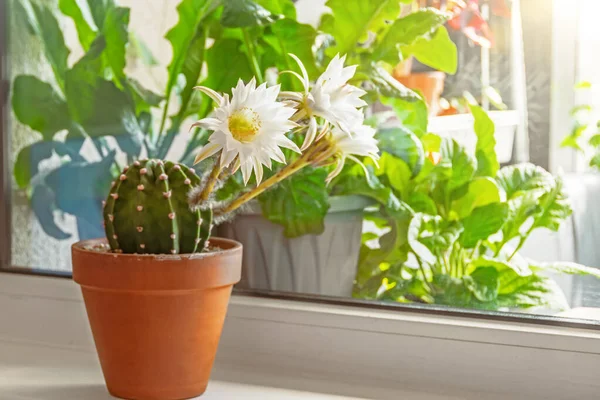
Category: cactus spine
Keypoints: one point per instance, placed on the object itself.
(147, 210)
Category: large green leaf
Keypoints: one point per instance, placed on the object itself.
(462, 165)
(388, 86)
(403, 144)
(406, 31)
(37, 105)
(524, 179)
(483, 283)
(438, 51)
(191, 69)
(531, 291)
(520, 269)
(563, 267)
(220, 58)
(115, 30)
(290, 36)
(395, 173)
(520, 209)
(45, 25)
(99, 106)
(352, 20)
(482, 191)
(99, 9)
(299, 203)
(187, 39)
(485, 150)
(483, 222)
(144, 98)
(245, 14)
(410, 108)
(353, 180)
(279, 7)
(81, 15)
(555, 208)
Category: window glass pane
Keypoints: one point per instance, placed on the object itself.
(460, 209)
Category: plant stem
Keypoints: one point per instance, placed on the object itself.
(210, 183)
(278, 177)
(424, 274)
(252, 56)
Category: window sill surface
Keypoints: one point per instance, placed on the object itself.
(36, 372)
(302, 346)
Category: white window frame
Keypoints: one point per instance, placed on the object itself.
(565, 49)
(354, 351)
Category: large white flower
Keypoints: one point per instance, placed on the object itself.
(361, 143)
(248, 130)
(331, 98)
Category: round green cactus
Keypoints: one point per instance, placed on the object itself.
(147, 210)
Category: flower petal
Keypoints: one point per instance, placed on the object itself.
(210, 93)
(310, 134)
(206, 152)
(258, 171)
(336, 171)
(306, 81)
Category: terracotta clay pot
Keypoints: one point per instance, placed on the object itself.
(156, 319)
(430, 84)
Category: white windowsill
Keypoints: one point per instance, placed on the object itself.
(337, 350)
(36, 372)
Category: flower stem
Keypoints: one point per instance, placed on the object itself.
(252, 56)
(290, 169)
(210, 183)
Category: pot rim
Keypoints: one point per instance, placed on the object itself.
(153, 273)
(338, 204)
(82, 247)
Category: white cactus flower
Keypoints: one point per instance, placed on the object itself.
(362, 143)
(331, 98)
(248, 130)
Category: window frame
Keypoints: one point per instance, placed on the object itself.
(308, 340)
(5, 181)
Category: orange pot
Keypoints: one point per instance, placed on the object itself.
(156, 319)
(430, 84)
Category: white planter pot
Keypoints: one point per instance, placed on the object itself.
(317, 264)
(460, 128)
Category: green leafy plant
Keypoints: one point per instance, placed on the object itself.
(214, 43)
(450, 224)
(585, 132)
(161, 207)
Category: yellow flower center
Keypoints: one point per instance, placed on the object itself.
(244, 125)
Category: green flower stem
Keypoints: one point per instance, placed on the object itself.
(278, 177)
(306, 159)
(252, 56)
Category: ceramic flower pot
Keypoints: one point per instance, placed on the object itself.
(156, 319)
(323, 264)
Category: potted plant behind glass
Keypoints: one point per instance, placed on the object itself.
(156, 290)
(450, 232)
(584, 137)
(312, 221)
